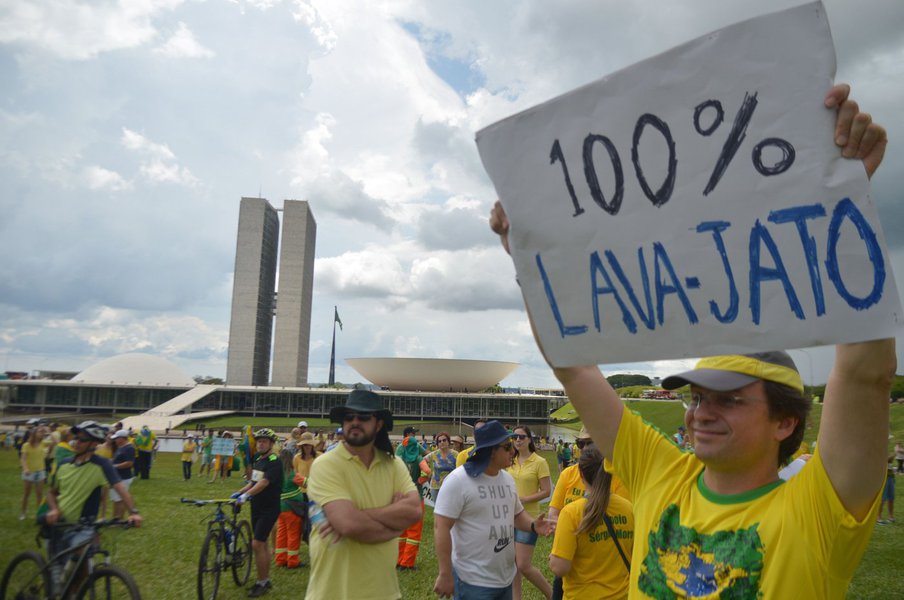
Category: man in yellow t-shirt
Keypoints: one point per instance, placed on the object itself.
(720, 522)
(467, 452)
(368, 499)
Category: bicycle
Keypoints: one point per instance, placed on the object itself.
(226, 545)
(32, 577)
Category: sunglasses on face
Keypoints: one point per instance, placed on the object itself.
(506, 446)
(519, 436)
(582, 443)
(363, 417)
(440, 440)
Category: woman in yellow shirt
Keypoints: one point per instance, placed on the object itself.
(591, 563)
(531, 474)
(33, 468)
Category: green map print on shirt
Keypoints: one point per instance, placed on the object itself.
(682, 562)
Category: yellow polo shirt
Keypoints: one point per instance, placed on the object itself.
(351, 569)
(527, 476)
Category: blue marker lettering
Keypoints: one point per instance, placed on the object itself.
(847, 209)
(758, 273)
(554, 306)
(717, 227)
(799, 215)
(597, 267)
(662, 261)
(647, 318)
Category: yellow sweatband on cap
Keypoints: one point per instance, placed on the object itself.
(755, 368)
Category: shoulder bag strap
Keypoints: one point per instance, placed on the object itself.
(612, 535)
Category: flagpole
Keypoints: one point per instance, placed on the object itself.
(333, 357)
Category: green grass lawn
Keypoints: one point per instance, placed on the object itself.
(163, 554)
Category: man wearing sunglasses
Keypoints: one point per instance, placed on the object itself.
(368, 499)
(75, 488)
(720, 522)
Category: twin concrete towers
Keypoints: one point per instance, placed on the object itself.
(255, 301)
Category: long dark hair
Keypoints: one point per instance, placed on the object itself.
(285, 457)
(313, 453)
(530, 437)
(591, 467)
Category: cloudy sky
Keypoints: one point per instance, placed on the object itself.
(130, 130)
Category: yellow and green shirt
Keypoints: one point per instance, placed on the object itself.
(79, 486)
(693, 542)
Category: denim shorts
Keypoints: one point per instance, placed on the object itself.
(34, 476)
(526, 537)
(888, 493)
(466, 591)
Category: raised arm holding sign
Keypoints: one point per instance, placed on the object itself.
(720, 520)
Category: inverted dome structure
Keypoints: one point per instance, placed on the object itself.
(432, 374)
(135, 368)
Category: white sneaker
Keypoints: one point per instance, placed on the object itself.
(22, 517)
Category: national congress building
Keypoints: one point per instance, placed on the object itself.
(162, 396)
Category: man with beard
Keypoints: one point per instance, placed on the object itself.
(368, 499)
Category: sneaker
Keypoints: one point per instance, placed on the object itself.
(882, 522)
(259, 589)
(22, 517)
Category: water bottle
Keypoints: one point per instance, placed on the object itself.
(230, 542)
(315, 514)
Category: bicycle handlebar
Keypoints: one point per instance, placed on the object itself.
(95, 524)
(206, 502)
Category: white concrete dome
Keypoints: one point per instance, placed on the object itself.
(133, 369)
(432, 374)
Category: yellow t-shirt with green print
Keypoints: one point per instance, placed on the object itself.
(791, 538)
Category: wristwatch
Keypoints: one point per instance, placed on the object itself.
(533, 527)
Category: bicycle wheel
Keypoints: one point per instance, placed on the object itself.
(209, 566)
(26, 578)
(243, 556)
(108, 582)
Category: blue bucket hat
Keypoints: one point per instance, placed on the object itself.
(487, 437)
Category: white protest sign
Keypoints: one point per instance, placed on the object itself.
(223, 446)
(695, 204)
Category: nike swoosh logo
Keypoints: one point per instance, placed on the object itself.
(501, 544)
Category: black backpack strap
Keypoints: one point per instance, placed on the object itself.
(612, 535)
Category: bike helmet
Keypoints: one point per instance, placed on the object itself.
(266, 432)
(95, 430)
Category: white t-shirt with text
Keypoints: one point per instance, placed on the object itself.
(483, 537)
